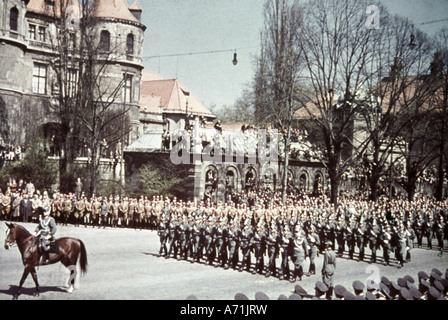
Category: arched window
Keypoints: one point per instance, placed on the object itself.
(130, 44)
(105, 40)
(14, 19)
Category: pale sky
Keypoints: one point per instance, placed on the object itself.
(198, 30)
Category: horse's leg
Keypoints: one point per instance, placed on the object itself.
(34, 275)
(26, 271)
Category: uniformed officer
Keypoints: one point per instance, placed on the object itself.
(439, 231)
(350, 239)
(419, 230)
(360, 239)
(372, 236)
(339, 235)
(299, 251)
(245, 245)
(328, 268)
(411, 237)
(162, 232)
(285, 240)
(272, 243)
(46, 230)
(428, 228)
(314, 243)
(402, 242)
(232, 242)
(258, 244)
(385, 239)
(172, 236)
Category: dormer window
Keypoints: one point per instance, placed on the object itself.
(105, 41)
(130, 44)
(14, 19)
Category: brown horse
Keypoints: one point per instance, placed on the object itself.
(69, 251)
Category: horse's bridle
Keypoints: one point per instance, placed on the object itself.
(11, 244)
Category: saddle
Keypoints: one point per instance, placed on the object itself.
(54, 246)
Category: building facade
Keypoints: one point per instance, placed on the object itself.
(29, 86)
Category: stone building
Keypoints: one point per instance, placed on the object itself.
(29, 88)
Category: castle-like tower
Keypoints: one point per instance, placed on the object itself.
(29, 89)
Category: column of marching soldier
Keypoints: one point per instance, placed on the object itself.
(229, 235)
(233, 233)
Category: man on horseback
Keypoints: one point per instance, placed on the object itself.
(46, 230)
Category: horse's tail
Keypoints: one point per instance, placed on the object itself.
(83, 258)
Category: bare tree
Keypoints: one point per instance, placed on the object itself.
(92, 100)
(278, 68)
(394, 86)
(337, 47)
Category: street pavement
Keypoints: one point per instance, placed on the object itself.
(123, 264)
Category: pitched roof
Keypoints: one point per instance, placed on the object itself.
(135, 7)
(50, 8)
(174, 96)
(314, 106)
(116, 9)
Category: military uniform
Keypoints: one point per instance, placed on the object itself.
(385, 240)
(245, 245)
(88, 208)
(314, 243)
(272, 241)
(339, 235)
(46, 230)
(372, 237)
(360, 232)
(428, 228)
(299, 252)
(418, 227)
(328, 269)
(232, 242)
(285, 240)
(162, 232)
(439, 231)
(350, 239)
(258, 244)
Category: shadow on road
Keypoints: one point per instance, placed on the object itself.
(30, 291)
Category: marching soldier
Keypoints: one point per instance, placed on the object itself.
(339, 231)
(182, 237)
(172, 236)
(372, 236)
(285, 248)
(258, 245)
(439, 231)
(385, 240)
(350, 239)
(208, 240)
(245, 245)
(272, 244)
(314, 243)
(299, 252)
(360, 237)
(162, 232)
(419, 230)
(196, 238)
(428, 228)
(219, 235)
(402, 242)
(328, 269)
(232, 241)
(411, 236)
